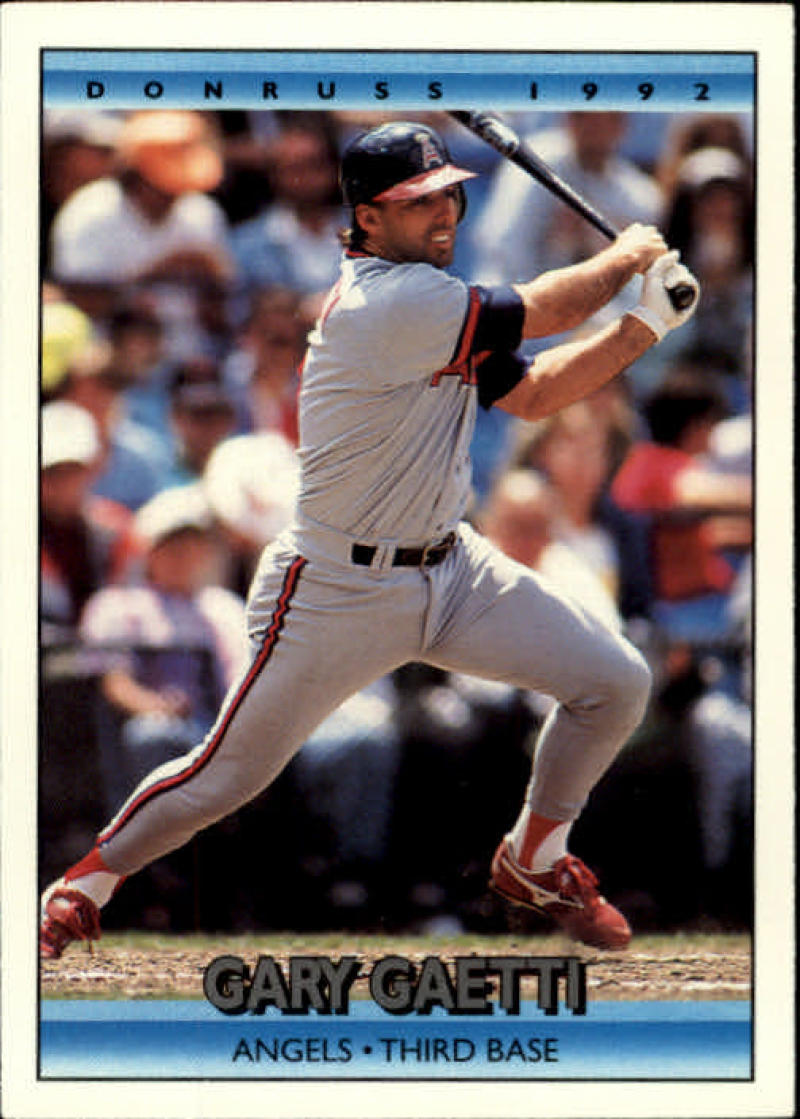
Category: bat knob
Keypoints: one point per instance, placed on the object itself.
(682, 296)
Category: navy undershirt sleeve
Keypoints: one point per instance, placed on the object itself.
(500, 319)
(497, 335)
(497, 375)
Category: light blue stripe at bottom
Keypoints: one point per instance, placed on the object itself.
(192, 1040)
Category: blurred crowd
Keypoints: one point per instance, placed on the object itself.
(185, 256)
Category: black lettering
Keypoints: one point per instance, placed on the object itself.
(534, 91)
(242, 1050)
(154, 90)
(434, 91)
(381, 91)
(388, 1046)
(95, 89)
(551, 1049)
(494, 1049)
(439, 1050)
(293, 1050)
(269, 91)
(213, 89)
(702, 91)
(589, 90)
(266, 1049)
(328, 94)
(515, 1049)
(534, 1049)
(463, 1049)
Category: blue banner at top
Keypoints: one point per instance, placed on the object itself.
(671, 82)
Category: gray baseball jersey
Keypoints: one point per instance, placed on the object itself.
(400, 358)
(385, 421)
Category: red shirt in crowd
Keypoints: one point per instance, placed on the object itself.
(684, 560)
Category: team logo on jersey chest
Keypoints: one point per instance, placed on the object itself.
(466, 369)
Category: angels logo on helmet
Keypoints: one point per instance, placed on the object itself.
(431, 157)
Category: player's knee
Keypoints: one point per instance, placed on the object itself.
(630, 682)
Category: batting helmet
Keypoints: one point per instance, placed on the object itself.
(399, 161)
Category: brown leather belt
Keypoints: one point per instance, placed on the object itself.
(429, 556)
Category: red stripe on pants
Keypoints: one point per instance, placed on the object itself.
(290, 582)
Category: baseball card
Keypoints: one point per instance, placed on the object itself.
(397, 658)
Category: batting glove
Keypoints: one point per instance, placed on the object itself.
(655, 308)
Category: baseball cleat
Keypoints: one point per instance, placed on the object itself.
(68, 915)
(567, 892)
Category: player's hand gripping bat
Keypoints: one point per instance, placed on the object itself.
(505, 140)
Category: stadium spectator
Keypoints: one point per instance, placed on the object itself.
(77, 149)
(711, 223)
(151, 223)
(294, 242)
(202, 415)
(65, 332)
(177, 639)
(133, 463)
(573, 449)
(521, 518)
(524, 230)
(247, 137)
(136, 336)
(688, 134)
(262, 369)
(86, 541)
(251, 482)
(697, 512)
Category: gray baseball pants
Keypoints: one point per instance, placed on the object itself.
(322, 628)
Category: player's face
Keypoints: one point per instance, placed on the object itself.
(420, 229)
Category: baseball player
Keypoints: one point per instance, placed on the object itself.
(378, 568)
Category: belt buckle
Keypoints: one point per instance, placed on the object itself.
(443, 546)
(423, 561)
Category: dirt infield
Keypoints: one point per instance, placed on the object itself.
(667, 968)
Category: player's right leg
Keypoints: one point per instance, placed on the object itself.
(500, 620)
(319, 635)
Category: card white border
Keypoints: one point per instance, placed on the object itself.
(765, 28)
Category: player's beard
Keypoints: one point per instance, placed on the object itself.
(422, 250)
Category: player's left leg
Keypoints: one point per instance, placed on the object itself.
(320, 632)
(494, 618)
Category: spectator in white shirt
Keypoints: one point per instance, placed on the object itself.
(175, 641)
(150, 223)
(524, 230)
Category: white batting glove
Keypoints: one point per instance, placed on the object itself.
(655, 308)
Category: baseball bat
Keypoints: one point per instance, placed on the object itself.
(505, 140)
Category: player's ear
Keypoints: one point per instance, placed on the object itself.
(367, 216)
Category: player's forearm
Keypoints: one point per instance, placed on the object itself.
(564, 298)
(567, 373)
